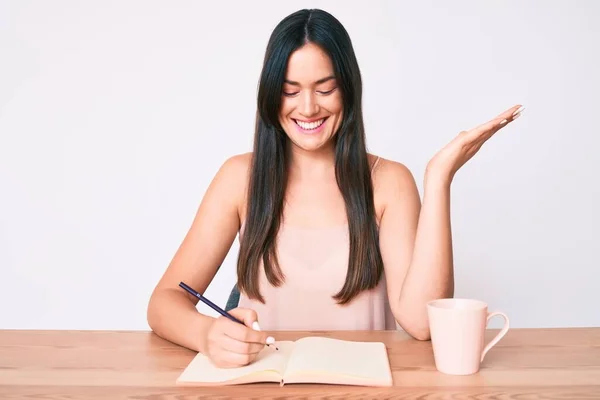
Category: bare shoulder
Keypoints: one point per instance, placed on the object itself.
(236, 164)
(392, 173)
(392, 180)
(232, 177)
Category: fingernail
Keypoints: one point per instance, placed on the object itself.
(270, 340)
(520, 110)
(515, 116)
(503, 121)
(255, 326)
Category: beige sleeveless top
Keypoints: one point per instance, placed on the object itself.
(314, 263)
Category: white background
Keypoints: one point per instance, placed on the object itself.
(115, 116)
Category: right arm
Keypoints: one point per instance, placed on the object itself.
(172, 312)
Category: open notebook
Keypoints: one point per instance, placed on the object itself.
(307, 360)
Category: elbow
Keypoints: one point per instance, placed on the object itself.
(152, 313)
(150, 320)
(421, 335)
(417, 331)
(416, 326)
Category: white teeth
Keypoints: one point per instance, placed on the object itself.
(310, 125)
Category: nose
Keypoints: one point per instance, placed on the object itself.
(308, 106)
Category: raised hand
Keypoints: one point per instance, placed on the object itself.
(463, 147)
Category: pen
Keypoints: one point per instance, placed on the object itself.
(212, 305)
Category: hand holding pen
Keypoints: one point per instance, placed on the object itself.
(234, 339)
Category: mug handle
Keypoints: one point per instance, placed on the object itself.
(500, 334)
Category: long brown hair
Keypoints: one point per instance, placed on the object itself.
(269, 168)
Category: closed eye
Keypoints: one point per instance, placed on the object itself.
(328, 92)
(292, 94)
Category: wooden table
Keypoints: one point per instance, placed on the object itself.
(526, 364)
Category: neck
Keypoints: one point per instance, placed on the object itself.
(316, 164)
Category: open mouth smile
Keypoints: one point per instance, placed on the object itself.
(310, 127)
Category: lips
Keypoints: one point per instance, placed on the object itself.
(310, 126)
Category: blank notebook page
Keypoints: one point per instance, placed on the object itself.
(358, 359)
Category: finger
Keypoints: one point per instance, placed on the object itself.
(486, 135)
(247, 316)
(508, 114)
(232, 345)
(250, 319)
(499, 121)
(243, 333)
(236, 359)
(489, 127)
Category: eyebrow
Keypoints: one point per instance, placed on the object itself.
(322, 80)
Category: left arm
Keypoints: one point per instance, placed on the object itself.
(416, 247)
(415, 240)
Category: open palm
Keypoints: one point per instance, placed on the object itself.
(464, 146)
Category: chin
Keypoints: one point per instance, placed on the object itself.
(297, 142)
(310, 136)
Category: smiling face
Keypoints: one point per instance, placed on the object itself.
(312, 105)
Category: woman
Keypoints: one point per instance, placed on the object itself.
(331, 237)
